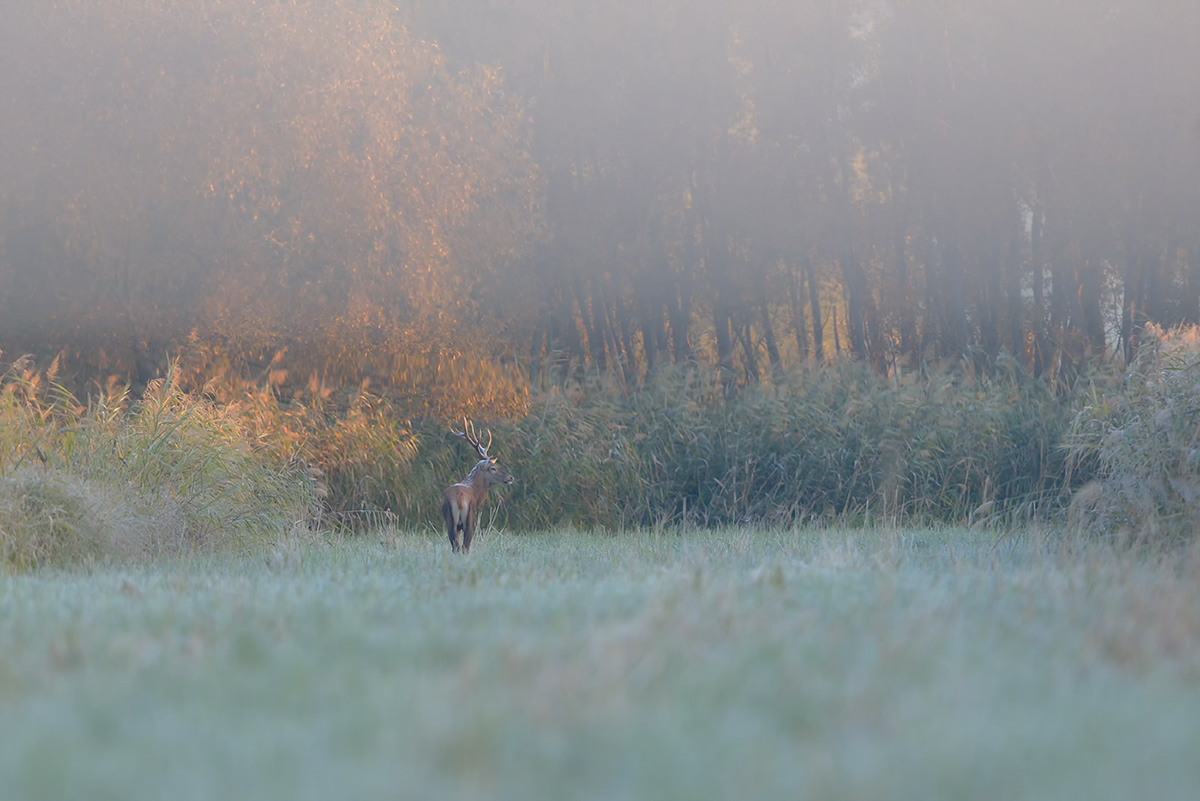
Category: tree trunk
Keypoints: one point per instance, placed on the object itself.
(539, 348)
(852, 274)
(1190, 314)
(722, 323)
(814, 302)
(1016, 309)
(593, 322)
(769, 337)
(989, 307)
(907, 313)
(1089, 303)
(679, 305)
(748, 348)
(650, 337)
(837, 340)
(798, 315)
(1132, 294)
(956, 335)
(1064, 294)
(1155, 303)
(569, 324)
(680, 314)
(1038, 279)
(624, 326)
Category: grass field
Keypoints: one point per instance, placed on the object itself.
(737, 664)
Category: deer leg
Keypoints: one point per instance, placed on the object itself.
(469, 530)
(451, 525)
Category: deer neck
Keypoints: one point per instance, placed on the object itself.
(477, 482)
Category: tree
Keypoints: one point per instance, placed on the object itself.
(311, 174)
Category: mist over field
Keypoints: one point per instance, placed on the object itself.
(607, 185)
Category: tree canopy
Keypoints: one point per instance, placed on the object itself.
(611, 185)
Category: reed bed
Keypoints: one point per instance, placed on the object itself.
(838, 443)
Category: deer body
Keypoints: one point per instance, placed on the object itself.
(462, 502)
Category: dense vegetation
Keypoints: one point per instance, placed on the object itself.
(165, 475)
(171, 471)
(834, 443)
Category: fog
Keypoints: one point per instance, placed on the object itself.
(613, 185)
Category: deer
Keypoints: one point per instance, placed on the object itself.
(461, 503)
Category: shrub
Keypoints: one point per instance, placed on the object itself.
(166, 474)
(1142, 437)
(358, 449)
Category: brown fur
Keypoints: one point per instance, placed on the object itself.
(462, 502)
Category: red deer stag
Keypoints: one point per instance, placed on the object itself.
(461, 503)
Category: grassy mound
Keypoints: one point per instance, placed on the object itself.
(117, 479)
(1141, 435)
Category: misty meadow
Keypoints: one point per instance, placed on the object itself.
(843, 356)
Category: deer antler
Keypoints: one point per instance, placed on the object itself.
(469, 434)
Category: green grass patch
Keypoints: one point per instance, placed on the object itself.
(770, 663)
